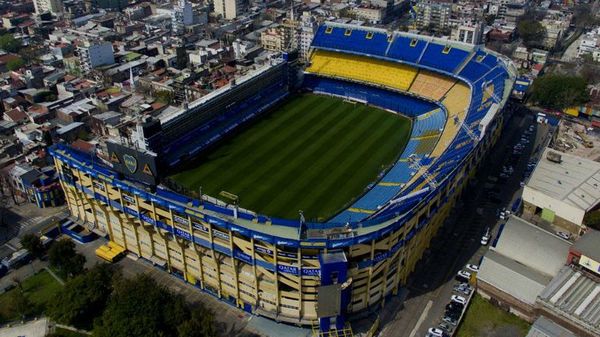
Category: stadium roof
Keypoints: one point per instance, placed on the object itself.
(532, 246)
(574, 181)
(543, 327)
(574, 295)
(589, 244)
(519, 281)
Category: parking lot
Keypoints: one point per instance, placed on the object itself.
(497, 185)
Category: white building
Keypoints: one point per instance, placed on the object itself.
(93, 54)
(589, 44)
(181, 17)
(468, 32)
(561, 190)
(230, 9)
(308, 28)
(45, 6)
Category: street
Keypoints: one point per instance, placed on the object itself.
(458, 241)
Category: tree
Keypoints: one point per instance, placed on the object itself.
(559, 91)
(200, 324)
(65, 259)
(141, 307)
(84, 297)
(532, 32)
(19, 303)
(15, 64)
(583, 16)
(32, 243)
(164, 96)
(9, 43)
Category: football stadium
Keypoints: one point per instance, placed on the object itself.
(303, 193)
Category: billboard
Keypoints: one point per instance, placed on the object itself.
(133, 163)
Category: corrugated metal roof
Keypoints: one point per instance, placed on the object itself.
(589, 244)
(575, 181)
(543, 327)
(574, 295)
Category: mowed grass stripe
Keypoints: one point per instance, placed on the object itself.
(301, 156)
(339, 144)
(306, 167)
(314, 153)
(256, 144)
(284, 158)
(393, 136)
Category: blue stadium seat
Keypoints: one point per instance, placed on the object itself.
(438, 56)
(407, 105)
(362, 41)
(406, 49)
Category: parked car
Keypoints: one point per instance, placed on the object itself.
(449, 320)
(463, 275)
(463, 288)
(459, 299)
(484, 240)
(564, 235)
(446, 327)
(472, 267)
(435, 332)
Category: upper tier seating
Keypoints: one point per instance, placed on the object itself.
(479, 65)
(431, 85)
(406, 49)
(442, 57)
(368, 42)
(457, 99)
(363, 69)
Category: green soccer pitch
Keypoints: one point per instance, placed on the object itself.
(313, 153)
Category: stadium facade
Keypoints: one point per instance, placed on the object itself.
(292, 270)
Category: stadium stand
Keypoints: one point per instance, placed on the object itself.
(457, 99)
(406, 49)
(385, 99)
(441, 57)
(431, 85)
(476, 68)
(362, 69)
(369, 42)
(429, 123)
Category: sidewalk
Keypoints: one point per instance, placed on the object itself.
(22, 273)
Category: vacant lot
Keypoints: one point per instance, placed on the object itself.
(486, 320)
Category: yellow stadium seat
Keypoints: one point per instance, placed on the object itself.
(363, 69)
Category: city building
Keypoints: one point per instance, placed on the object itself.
(48, 6)
(520, 265)
(230, 9)
(182, 16)
(308, 28)
(278, 38)
(468, 32)
(433, 15)
(370, 13)
(95, 53)
(561, 190)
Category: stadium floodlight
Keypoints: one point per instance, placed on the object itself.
(469, 132)
(415, 163)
